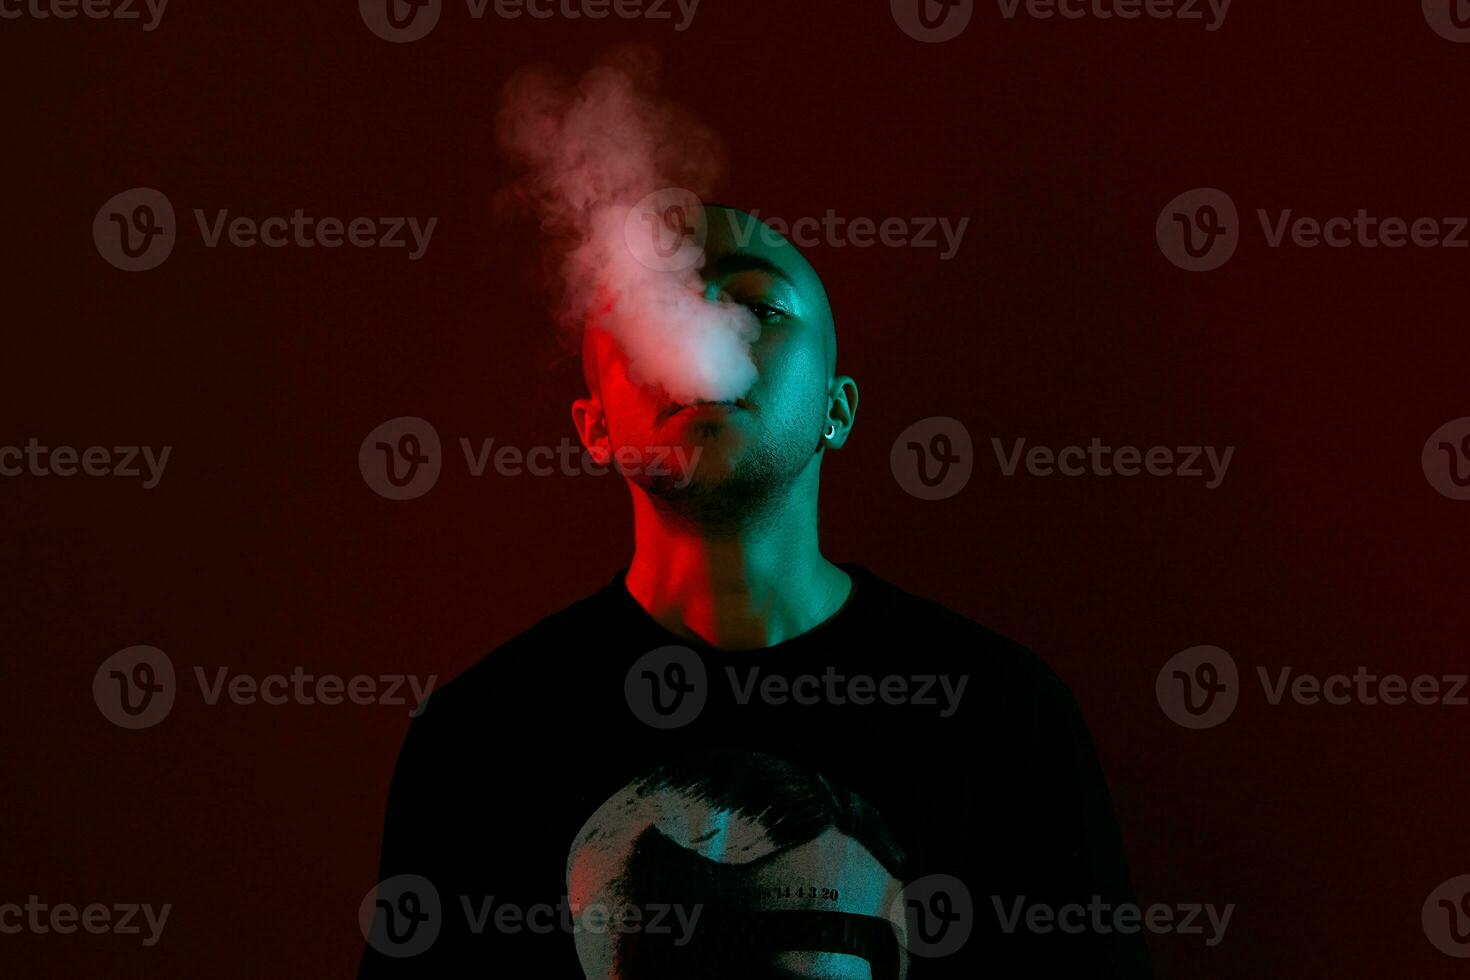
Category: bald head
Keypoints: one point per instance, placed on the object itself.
(748, 262)
(737, 242)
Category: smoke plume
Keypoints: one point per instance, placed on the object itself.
(617, 176)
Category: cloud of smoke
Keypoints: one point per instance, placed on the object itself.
(616, 175)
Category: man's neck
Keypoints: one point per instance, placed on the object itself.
(742, 591)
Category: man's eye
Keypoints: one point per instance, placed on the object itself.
(765, 312)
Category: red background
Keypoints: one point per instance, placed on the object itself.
(263, 549)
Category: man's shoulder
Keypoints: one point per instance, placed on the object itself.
(509, 670)
(937, 633)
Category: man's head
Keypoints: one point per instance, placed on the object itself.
(743, 457)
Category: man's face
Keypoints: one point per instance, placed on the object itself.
(766, 438)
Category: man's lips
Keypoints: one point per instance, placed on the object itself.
(736, 404)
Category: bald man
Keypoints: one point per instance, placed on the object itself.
(727, 552)
(731, 639)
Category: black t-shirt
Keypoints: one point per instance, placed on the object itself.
(600, 790)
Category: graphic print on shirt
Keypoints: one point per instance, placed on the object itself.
(729, 863)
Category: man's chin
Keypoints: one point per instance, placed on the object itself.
(715, 493)
(694, 468)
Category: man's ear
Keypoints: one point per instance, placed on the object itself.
(842, 403)
(592, 428)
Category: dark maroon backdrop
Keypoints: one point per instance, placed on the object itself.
(263, 548)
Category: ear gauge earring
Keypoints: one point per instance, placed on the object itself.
(831, 431)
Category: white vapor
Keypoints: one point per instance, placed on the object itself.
(616, 175)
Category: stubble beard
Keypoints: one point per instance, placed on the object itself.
(751, 493)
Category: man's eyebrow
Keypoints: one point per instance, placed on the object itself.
(733, 262)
